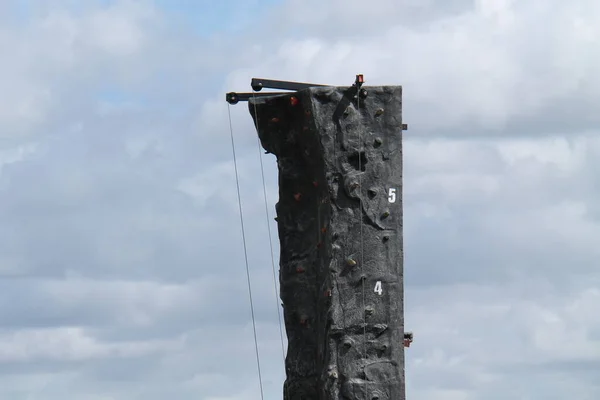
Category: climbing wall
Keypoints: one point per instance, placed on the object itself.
(340, 228)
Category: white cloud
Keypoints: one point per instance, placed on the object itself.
(120, 241)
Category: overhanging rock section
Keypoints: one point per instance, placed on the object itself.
(340, 228)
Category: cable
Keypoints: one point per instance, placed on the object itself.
(237, 182)
(262, 173)
(362, 245)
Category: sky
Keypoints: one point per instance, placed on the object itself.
(121, 263)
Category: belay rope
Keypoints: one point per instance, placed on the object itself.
(237, 182)
(362, 247)
(270, 236)
(268, 221)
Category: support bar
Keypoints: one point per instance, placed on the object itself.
(234, 98)
(259, 83)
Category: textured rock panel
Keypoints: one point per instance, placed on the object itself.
(340, 164)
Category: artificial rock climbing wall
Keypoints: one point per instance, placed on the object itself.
(340, 228)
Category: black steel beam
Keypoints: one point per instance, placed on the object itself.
(259, 83)
(234, 98)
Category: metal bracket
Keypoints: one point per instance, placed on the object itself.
(258, 84)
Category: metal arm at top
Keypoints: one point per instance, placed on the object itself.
(258, 84)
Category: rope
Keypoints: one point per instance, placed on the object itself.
(362, 246)
(268, 220)
(237, 182)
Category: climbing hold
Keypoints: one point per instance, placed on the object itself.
(274, 119)
(293, 100)
(372, 193)
(377, 142)
(363, 93)
(328, 293)
(303, 320)
(333, 374)
(369, 310)
(380, 328)
(353, 185)
(276, 218)
(307, 113)
(379, 112)
(346, 111)
(319, 245)
(315, 183)
(324, 229)
(300, 270)
(350, 261)
(297, 196)
(347, 343)
(386, 238)
(385, 214)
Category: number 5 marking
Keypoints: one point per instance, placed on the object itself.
(392, 195)
(378, 288)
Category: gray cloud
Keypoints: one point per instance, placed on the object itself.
(120, 252)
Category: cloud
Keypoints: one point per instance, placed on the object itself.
(122, 269)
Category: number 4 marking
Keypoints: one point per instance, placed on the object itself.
(378, 288)
(392, 195)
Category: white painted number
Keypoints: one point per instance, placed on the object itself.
(378, 288)
(392, 195)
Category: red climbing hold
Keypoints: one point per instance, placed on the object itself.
(300, 270)
(275, 119)
(315, 183)
(297, 196)
(293, 100)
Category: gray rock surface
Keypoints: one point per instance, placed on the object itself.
(341, 261)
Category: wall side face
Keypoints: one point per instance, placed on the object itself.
(340, 228)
